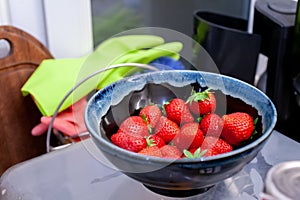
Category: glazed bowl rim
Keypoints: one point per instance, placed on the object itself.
(266, 133)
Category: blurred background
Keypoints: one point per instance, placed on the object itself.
(113, 16)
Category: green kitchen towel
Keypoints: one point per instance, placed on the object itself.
(141, 56)
(54, 78)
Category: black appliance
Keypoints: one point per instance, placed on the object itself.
(276, 22)
(226, 40)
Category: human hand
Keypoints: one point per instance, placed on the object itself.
(70, 121)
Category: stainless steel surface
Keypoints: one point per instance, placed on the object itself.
(283, 181)
(82, 172)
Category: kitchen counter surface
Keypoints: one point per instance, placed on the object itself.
(81, 172)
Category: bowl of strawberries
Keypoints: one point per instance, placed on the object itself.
(180, 132)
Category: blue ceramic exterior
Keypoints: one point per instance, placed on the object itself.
(182, 177)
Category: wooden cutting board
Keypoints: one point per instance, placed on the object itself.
(19, 114)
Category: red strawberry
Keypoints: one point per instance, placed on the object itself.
(166, 129)
(169, 151)
(211, 152)
(134, 125)
(129, 142)
(215, 145)
(189, 137)
(151, 114)
(151, 151)
(155, 140)
(212, 125)
(178, 111)
(237, 128)
(202, 103)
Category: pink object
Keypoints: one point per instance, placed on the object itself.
(70, 121)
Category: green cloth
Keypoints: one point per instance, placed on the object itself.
(54, 78)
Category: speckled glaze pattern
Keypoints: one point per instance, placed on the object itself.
(187, 176)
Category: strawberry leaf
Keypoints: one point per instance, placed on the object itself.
(199, 96)
(202, 153)
(149, 128)
(255, 121)
(168, 102)
(188, 154)
(150, 142)
(197, 154)
(199, 119)
(171, 143)
(163, 107)
(144, 117)
(254, 131)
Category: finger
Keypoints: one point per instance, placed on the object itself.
(66, 127)
(39, 129)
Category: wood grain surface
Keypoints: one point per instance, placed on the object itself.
(19, 114)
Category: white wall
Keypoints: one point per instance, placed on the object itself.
(4, 12)
(64, 26)
(28, 15)
(69, 27)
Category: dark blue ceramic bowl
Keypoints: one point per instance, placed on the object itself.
(183, 177)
